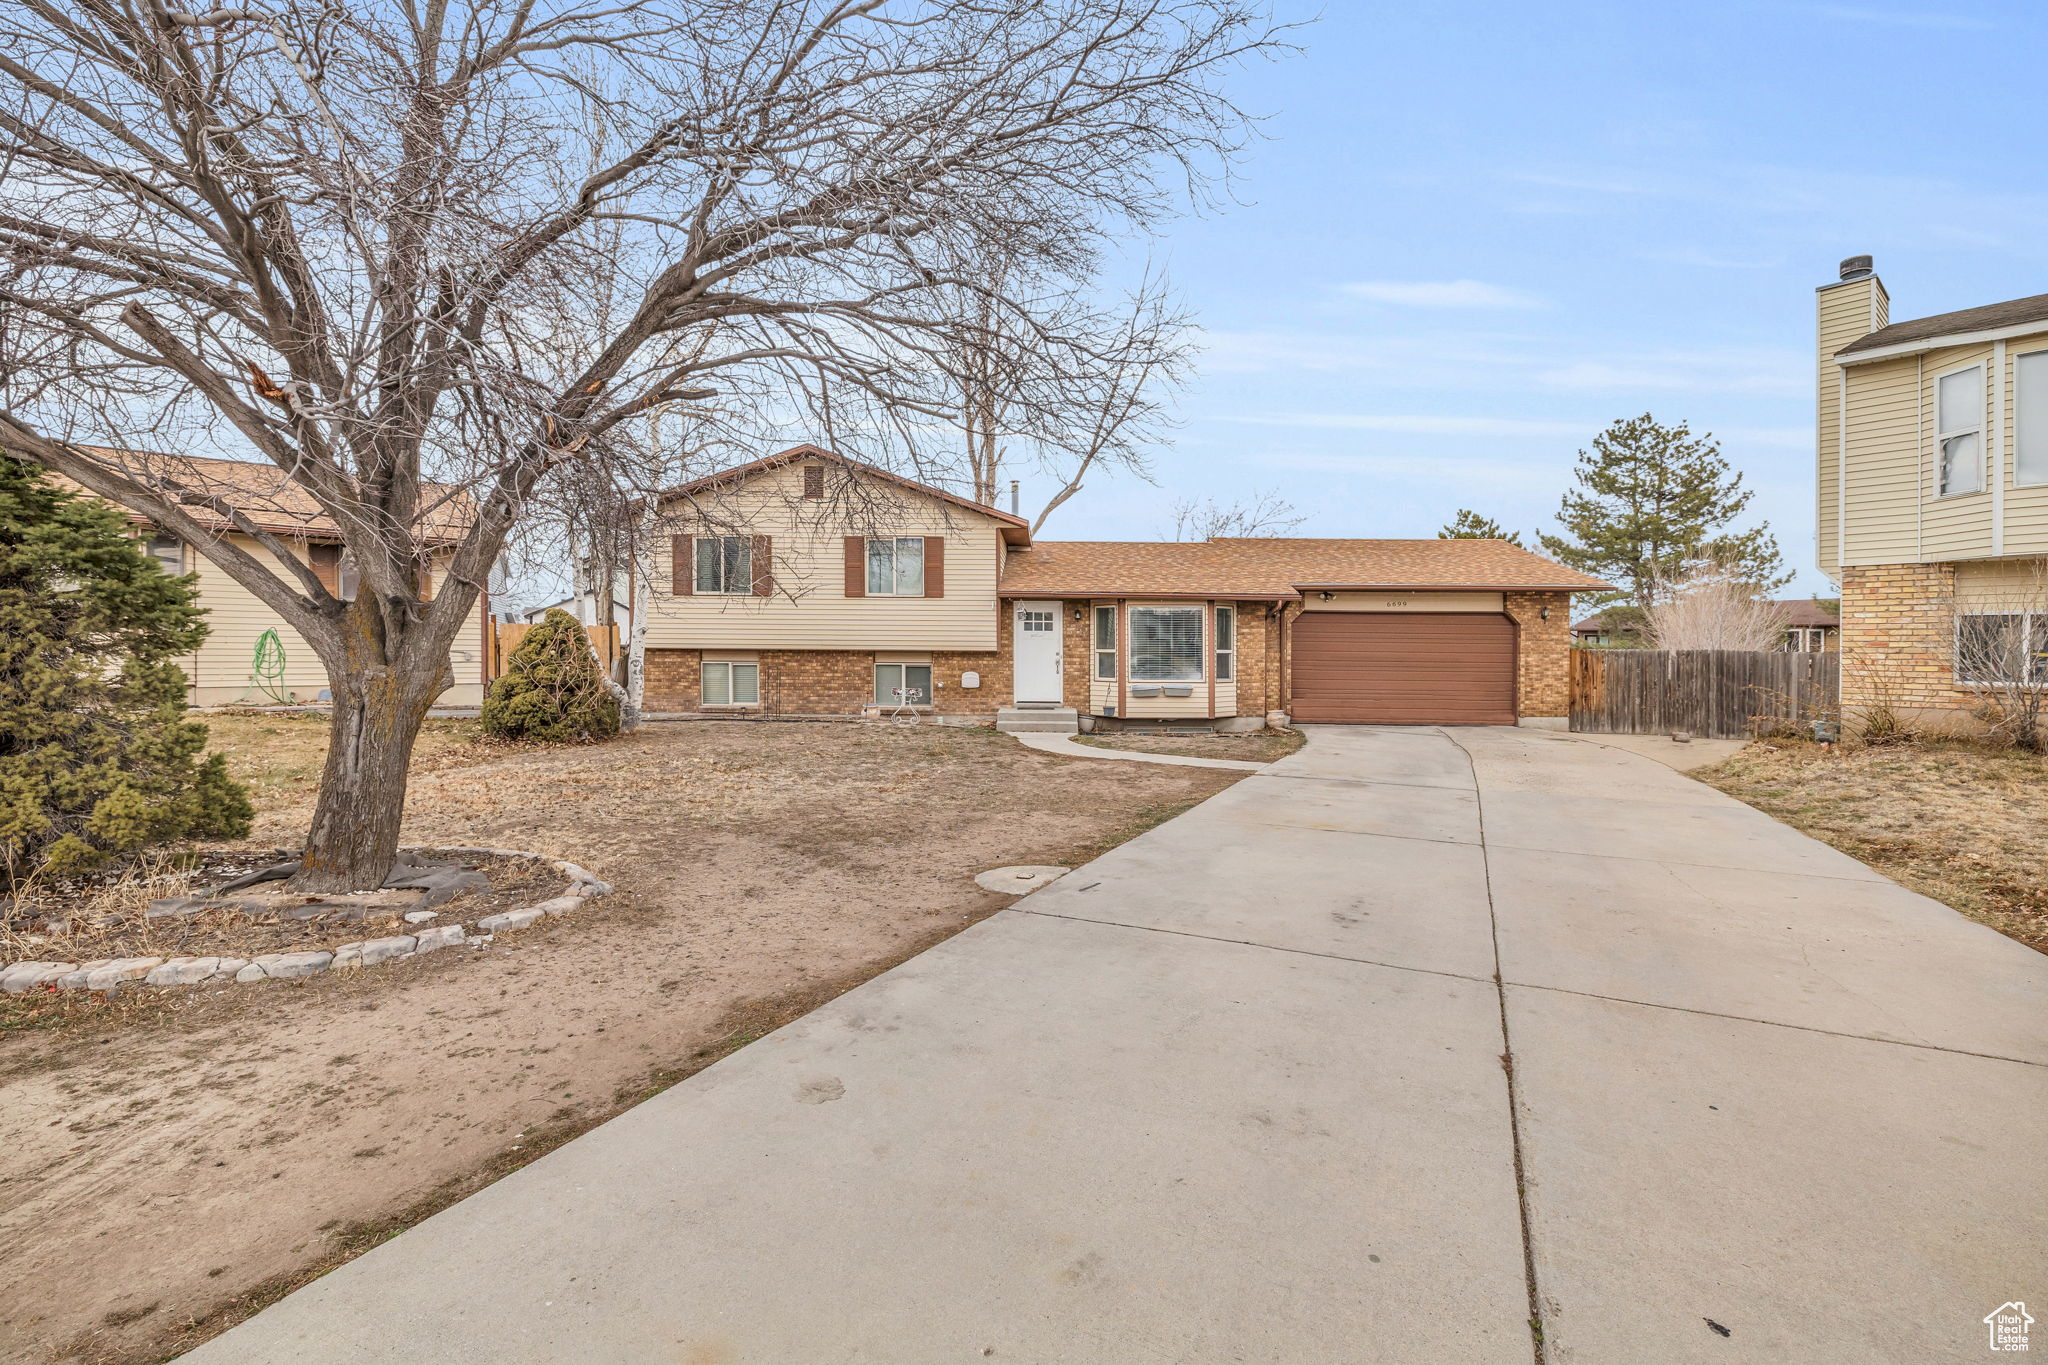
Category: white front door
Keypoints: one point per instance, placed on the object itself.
(1036, 652)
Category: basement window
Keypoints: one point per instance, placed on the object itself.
(903, 684)
(1959, 432)
(731, 684)
(2002, 648)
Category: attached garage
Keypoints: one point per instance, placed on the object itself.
(1404, 668)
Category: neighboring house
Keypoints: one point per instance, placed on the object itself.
(223, 669)
(1933, 492)
(808, 584)
(584, 609)
(1811, 626)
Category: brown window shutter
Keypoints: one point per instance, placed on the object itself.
(934, 566)
(856, 566)
(814, 481)
(763, 559)
(682, 568)
(326, 565)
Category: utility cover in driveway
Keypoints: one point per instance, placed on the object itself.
(1404, 668)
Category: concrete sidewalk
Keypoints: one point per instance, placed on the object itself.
(1234, 1092)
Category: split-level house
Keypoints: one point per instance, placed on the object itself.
(225, 669)
(811, 584)
(1933, 495)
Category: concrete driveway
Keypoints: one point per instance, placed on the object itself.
(1235, 1093)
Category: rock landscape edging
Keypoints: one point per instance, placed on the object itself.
(110, 974)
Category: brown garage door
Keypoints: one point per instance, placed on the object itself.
(1407, 668)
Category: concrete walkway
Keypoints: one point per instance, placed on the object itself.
(1073, 748)
(1234, 1092)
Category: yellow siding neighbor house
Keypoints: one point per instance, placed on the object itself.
(1932, 474)
(222, 670)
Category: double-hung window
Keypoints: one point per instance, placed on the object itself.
(2030, 418)
(725, 564)
(903, 684)
(2007, 647)
(1166, 644)
(1959, 432)
(731, 684)
(1105, 642)
(896, 566)
(167, 551)
(1226, 643)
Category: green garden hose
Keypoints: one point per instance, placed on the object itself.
(266, 669)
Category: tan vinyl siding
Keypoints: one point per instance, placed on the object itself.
(1844, 313)
(810, 608)
(1959, 526)
(222, 668)
(1884, 461)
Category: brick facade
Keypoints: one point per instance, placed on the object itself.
(826, 682)
(1543, 653)
(1897, 649)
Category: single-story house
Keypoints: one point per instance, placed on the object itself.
(1811, 626)
(224, 668)
(810, 584)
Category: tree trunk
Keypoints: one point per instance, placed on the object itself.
(354, 839)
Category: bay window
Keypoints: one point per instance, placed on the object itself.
(1166, 644)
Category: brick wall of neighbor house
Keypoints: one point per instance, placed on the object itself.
(1543, 668)
(1896, 650)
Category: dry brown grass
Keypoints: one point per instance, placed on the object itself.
(278, 755)
(1964, 824)
(1263, 746)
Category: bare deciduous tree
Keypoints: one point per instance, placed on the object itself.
(2001, 654)
(1265, 514)
(363, 243)
(1710, 604)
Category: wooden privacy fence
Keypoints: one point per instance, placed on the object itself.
(1713, 693)
(605, 639)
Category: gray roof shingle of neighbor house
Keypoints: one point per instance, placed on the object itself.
(2011, 313)
(1276, 568)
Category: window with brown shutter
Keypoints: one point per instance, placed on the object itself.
(681, 566)
(814, 481)
(934, 566)
(764, 566)
(856, 566)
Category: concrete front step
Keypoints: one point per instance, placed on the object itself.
(1058, 720)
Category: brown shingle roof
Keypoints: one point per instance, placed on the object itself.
(2011, 313)
(261, 491)
(1270, 568)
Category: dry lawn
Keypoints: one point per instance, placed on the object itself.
(1261, 747)
(171, 1161)
(1963, 824)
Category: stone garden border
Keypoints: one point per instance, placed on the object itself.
(110, 974)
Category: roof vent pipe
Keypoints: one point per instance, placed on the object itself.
(1015, 500)
(1857, 268)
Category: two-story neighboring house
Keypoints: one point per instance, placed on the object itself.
(1933, 494)
(809, 584)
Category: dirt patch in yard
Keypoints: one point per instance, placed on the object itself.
(1965, 825)
(1260, 747)
(173, 1160)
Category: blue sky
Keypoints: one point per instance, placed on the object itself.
(1474, 233)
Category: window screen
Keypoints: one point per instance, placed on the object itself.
(731, 684)
(725, 564)
(1166, 644)
(2030, 418)
(914, 679)
(1959, 421)
(1105, 642)
(896, 566)
(1226, 644)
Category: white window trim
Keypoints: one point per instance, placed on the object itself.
(1944, 435)
(931, 692)
(1095, 649)
(2040, 419)
(746, 588)
(1130, 659)
(1217, 650)
(729, 664)
(867, 549)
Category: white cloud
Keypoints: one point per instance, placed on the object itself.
(1441, 294)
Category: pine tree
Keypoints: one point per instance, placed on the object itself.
(1650, 496)
(553, 688)
(96, 755)
(1469, 525)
